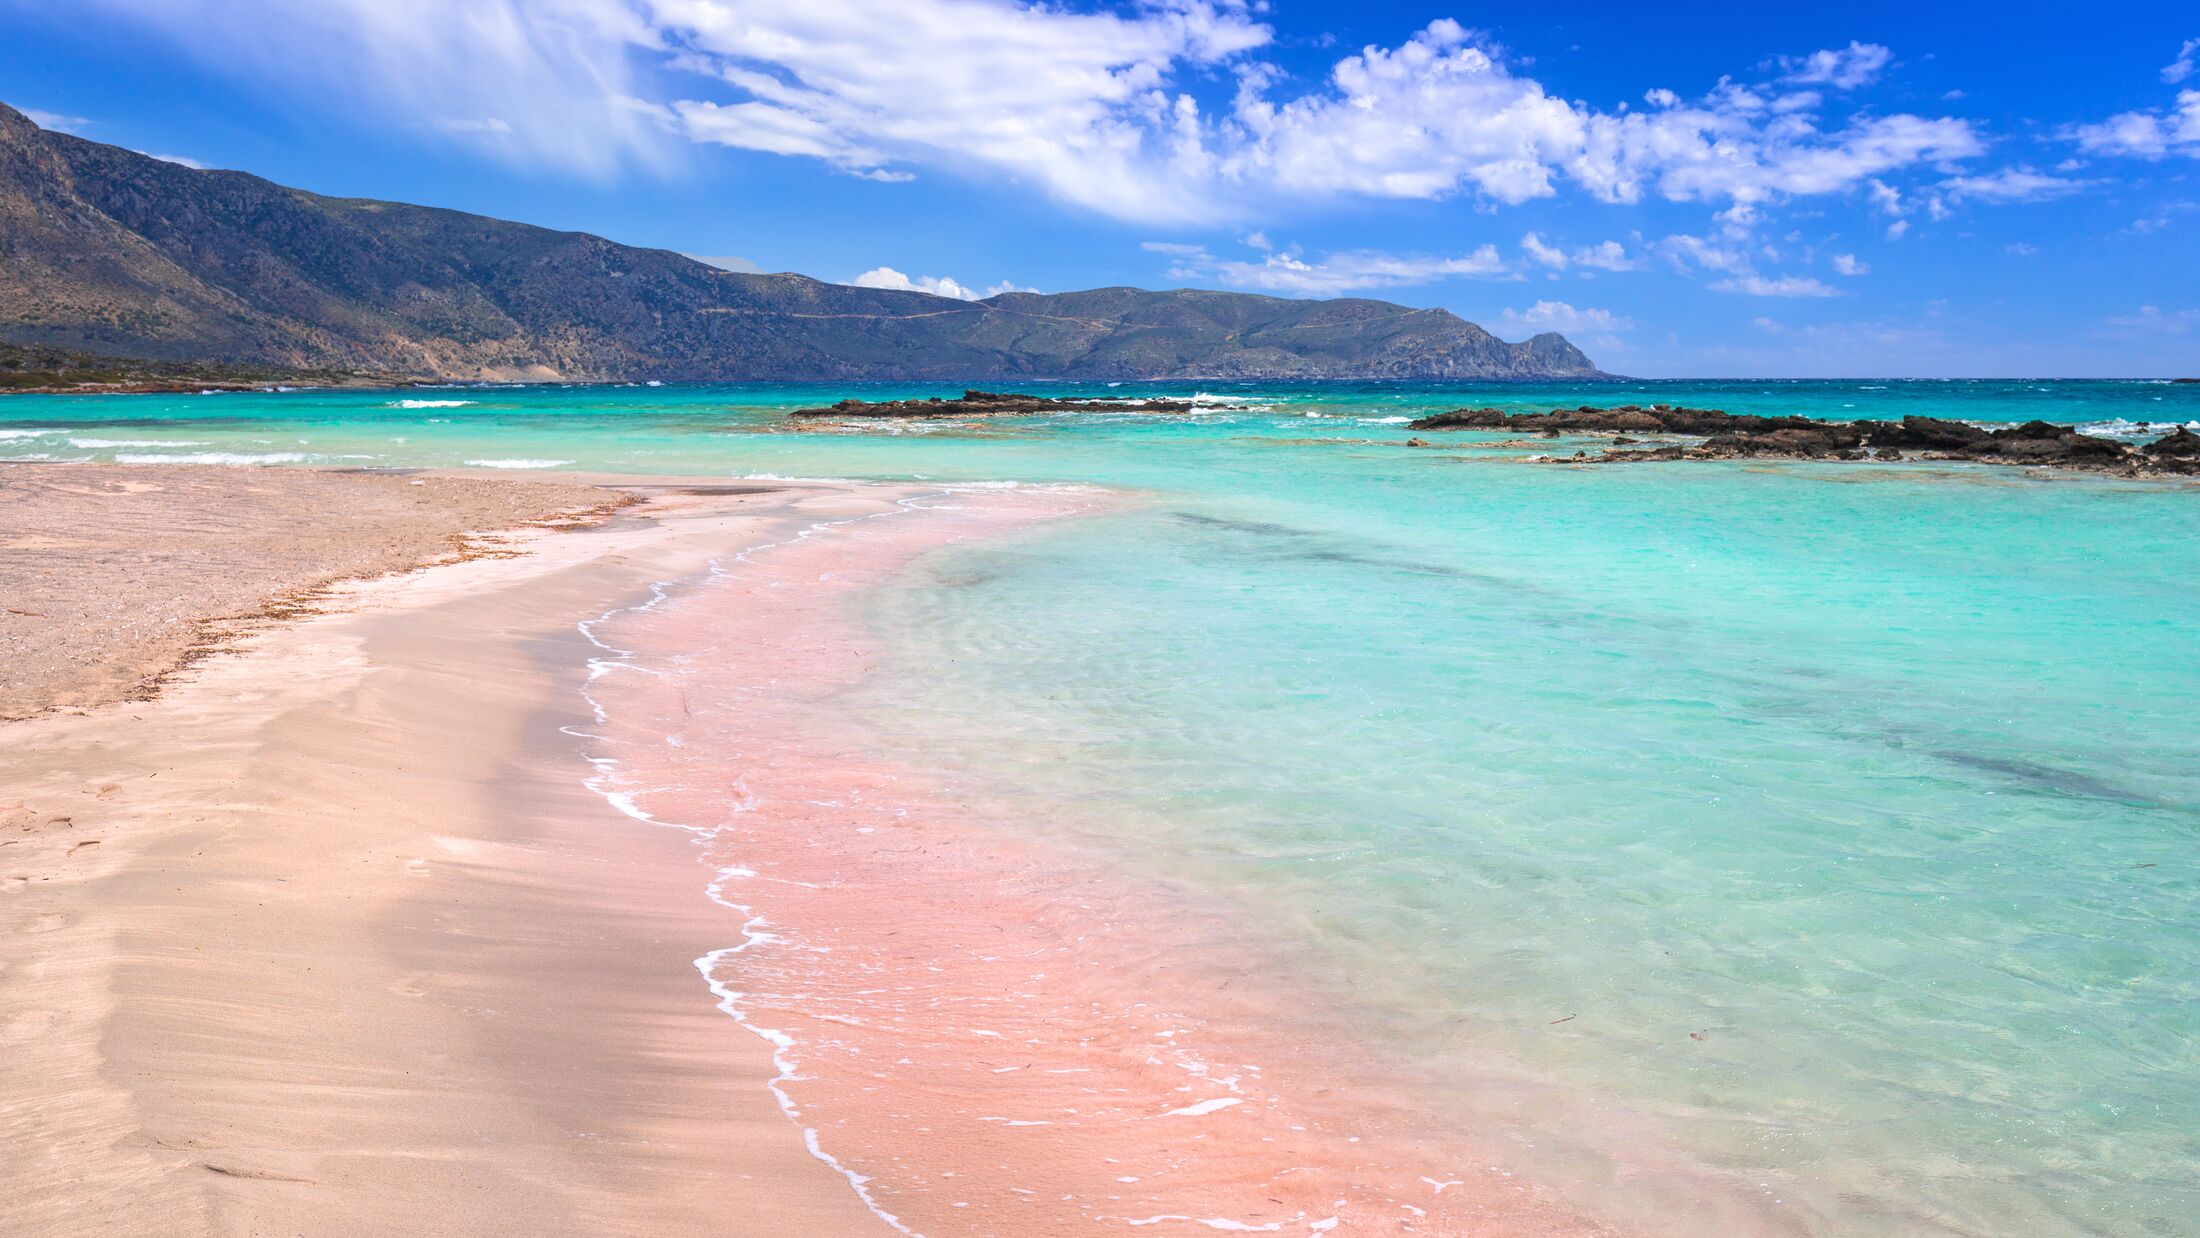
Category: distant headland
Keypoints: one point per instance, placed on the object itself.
(114, 254)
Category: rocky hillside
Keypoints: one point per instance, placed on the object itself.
(106, 251)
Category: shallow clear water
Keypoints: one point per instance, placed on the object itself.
(1827, 828)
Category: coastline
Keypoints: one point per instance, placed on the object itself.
(338, 932)
(329, 935)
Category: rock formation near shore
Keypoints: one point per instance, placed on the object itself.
(1728, 436)
(109, 252)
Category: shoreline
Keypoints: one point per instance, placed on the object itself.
(887, 923)
(328, 934)
(289, 963)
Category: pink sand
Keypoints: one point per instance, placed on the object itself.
(985, 1033)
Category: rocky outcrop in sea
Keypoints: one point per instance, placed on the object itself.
(1729, 436)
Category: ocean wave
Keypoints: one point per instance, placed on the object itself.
(136, 442)
(212, 457)
(1384, 421)
(2119, 427)
(34, 432)
(429, 404)
(517, 464)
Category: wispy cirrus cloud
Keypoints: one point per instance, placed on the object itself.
(1844, 68)
(1291, 274)
(2019, 184)
(2181, 68)
(57, 121)
(1776, 286)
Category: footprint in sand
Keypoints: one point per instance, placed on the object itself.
(46, 923)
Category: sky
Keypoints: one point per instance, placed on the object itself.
(1854, 190)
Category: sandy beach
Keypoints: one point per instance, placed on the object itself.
(334, 931)
(313, 943)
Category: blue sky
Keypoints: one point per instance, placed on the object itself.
(1743, 189)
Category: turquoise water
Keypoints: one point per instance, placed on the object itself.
(1848, 810)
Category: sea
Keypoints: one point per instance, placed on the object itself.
(1832, 829)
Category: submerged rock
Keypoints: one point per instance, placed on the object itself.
(991, 404)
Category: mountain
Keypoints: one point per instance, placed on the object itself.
(109, 252)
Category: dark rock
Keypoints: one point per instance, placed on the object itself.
(1924, 434)
(2180, 443)
(1732, 436)
(2033, 430)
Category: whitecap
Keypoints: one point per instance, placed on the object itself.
(136, 442)
(429, 404)
(213, 457)
(2119, 427)
(521, 463)
(30, 433)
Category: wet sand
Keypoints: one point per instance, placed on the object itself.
(343, 934)
(329, 938)
(995, 1035)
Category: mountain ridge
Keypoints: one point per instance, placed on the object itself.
(110, 252)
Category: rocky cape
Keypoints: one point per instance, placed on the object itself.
(1731, 436)
(109, 252)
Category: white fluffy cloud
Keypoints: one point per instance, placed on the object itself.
(1289, 273)
(2155, 134)
(1604, 256)
(1849, 264)
(937, 285)
(1561, 317)
(2146, 135)
(1163, 111)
